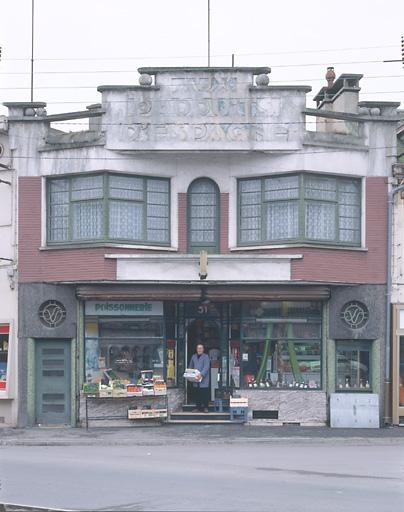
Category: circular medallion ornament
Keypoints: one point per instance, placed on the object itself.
(355, 314)
(52, 313)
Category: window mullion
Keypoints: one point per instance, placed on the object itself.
(145, 209)
(263, 213)
(337, 213)
(70, 228)
(106, 207)
(302, 207)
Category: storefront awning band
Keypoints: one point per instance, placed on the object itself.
(195, 292)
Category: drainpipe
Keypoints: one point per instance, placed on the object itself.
(387, 382)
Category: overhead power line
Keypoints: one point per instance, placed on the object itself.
(241, 54)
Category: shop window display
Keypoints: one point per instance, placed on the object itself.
(281, 345)
(353, 366)
(121, 348)
(4, 333)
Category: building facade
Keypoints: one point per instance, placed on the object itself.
(8, 283)
(397, 285)
(288, 202)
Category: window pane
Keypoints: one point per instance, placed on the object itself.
(58, 210)
(349, 211)
(87, 220)
(320, 221)
(88, 187)
(126, 220)
(282, 220)
(353, 366)
(320, 188)
(158, 186)
(203, 220)
(281, 188)
(203, 235)
(250, 235)
(126, 187)
(158, 211)
(250, 211)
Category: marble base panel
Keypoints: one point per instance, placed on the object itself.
(303, 407)
(112, 412)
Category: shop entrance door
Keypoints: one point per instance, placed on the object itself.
(207, 332)
(398, 382)
(53, 382)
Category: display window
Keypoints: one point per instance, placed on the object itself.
(353, 366)
(4, 340)
(123, 347)
(280, 345)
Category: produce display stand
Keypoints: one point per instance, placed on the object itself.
(153, 413)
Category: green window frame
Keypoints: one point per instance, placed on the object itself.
(203, 216)
(353, 360)
(299, 207)
(108, 207)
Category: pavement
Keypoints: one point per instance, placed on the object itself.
(186, 434)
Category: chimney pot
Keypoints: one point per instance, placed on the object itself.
(330, 76)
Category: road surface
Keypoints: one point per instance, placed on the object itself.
(328, 475)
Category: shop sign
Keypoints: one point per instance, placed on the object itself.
(123, 308)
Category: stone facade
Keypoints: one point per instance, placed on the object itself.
(224, 124)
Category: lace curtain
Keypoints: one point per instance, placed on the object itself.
(203, 221)
(300, 207)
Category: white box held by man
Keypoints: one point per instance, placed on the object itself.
(192, 374)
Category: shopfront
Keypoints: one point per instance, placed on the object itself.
(256, 347)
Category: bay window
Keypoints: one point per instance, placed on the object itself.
(300, 207)
(113, 207)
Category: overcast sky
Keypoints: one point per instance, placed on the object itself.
(80, 44)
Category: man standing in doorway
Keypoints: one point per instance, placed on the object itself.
(200, 361)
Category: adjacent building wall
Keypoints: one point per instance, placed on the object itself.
(8, 281)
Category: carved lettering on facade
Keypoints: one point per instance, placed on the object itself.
(198, 109)
(197, 132)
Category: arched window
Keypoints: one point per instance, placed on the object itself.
(203, 216)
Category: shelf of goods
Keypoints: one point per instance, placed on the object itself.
(147, 401)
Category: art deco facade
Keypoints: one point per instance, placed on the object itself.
(288, 201)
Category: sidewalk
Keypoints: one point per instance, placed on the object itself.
(188, 434)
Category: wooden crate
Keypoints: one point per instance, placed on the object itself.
(238, 402)
(144, 414)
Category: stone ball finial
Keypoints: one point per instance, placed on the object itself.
(262, 79)
(41, 112)
(330, 76)
(145, 79)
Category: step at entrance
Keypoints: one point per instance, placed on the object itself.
(200, 417)
(190, 408)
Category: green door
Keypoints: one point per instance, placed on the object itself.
(52, 382)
